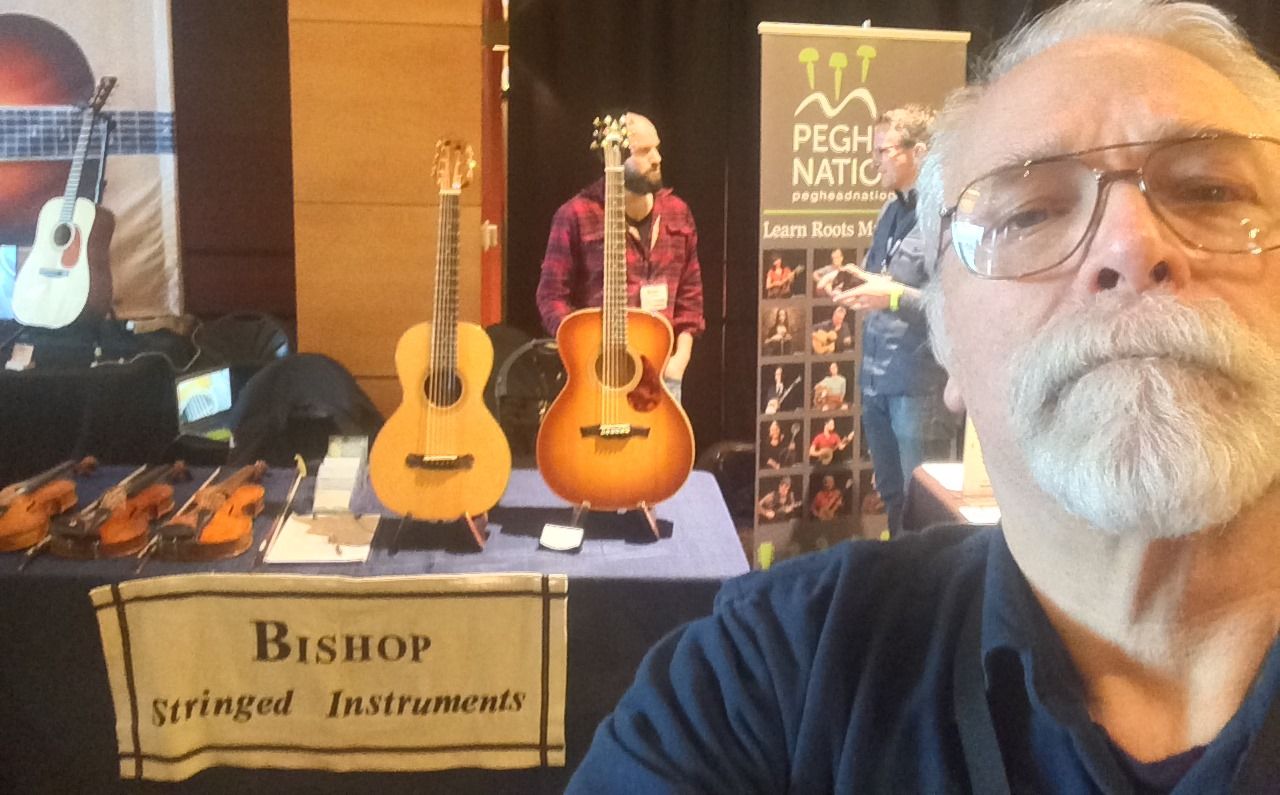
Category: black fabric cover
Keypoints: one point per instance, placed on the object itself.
(293, 405)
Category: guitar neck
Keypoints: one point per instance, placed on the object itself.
(51, 133)
(444, 330)
(615, 264)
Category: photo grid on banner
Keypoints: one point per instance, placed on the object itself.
(822, 89)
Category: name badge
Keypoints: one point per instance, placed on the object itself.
(653, 297)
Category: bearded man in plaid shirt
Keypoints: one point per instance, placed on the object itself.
(663, 275)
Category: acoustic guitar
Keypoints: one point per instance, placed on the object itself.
(614, 439)
(442, 456)
(825, 508)
(782, 287)
(43, 74)
(67, 275)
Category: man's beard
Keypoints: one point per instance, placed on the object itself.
(1149, 417)
(649, 182)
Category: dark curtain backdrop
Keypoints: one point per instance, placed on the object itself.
(693, 66)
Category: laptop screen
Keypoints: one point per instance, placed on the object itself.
(204, 401)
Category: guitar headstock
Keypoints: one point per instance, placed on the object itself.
(609, 135)
(105, 86)
(454, 165)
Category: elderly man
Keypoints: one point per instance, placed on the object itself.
(1104, 206)
(663, 274)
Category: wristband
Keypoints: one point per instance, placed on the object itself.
(895, 295)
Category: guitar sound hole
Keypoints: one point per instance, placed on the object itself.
(621, 371)
(442, 388)
(62, 234)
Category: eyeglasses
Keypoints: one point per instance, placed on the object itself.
(884, 152)
(1217, 193)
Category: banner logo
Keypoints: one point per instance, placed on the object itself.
(837, 62)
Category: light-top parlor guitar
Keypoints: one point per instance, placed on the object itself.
(442, 456)
(67, 274)
(615, 439)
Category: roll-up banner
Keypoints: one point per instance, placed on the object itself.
(822, 89)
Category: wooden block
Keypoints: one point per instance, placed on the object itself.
(365, 274)
(369, 103)
(422, 12)
(384, 391)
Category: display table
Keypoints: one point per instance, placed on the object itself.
(625, 592)
(934, 496)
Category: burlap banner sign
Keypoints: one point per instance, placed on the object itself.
(335, 673)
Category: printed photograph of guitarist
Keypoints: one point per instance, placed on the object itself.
(836, 275)
(781, 388)
(829, 501)
(831, 444)
(663, 274)
(831, 334)
(830, 386)
(779, 503)
(780, 279)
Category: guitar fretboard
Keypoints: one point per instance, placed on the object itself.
(444, 329)
(615, 274)
(49, 133)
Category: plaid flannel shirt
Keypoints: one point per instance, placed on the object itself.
(573, 268)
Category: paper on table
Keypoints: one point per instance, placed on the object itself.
(950, 475)
(311, 539)
(980, 514)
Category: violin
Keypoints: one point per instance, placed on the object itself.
(116, 524)
(27, 507)
(217, 522)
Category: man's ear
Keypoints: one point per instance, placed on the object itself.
(952, 397)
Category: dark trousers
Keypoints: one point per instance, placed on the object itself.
(902, 432)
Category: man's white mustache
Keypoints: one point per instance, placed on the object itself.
(1153, 326)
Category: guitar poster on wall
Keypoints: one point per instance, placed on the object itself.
(822, 89)
(53, 55)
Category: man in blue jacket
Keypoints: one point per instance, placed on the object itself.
(903, 413)
(1105, 210)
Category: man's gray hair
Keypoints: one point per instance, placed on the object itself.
(1195, 28)
(914, 122)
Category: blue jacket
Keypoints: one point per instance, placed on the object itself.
(896, 356)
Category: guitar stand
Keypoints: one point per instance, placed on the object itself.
(650, 517)
(478, 526)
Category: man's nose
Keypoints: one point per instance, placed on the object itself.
(1131, 248)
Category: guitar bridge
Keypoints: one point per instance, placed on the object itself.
(614, 431)
(439, 462)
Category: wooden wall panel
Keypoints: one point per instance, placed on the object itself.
(420, 12)
(370, 274)
(366, 123)
(231, 99)
(374, 84)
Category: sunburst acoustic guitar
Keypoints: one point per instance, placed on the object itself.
(615, 439)
(441, 456)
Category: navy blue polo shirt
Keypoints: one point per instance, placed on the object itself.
(834, 673)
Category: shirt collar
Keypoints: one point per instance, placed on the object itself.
(1015, 625)
(908, 198)
(1013, 622)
